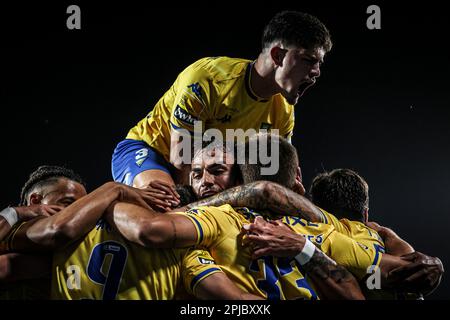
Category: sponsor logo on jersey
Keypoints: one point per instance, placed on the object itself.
(184, 116)
(205, 261)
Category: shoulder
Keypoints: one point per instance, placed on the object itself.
(216, 68)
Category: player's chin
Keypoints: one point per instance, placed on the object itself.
(292, 98)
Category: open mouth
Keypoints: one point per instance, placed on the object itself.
(304, 86)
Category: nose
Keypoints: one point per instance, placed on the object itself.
(315, 71)
(207, 179)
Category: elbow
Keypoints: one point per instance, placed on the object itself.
(5, 268)
(151, 235)
(264, 190)
(58, 234)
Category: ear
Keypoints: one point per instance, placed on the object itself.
(35, 198)
(298, 187)
(366, 215)
(277, 54)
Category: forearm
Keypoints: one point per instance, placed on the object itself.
(129, 220)
(69, 224)
(219, 287)
(4, 228)
(264, 195)
(331, 280)
(394, 245)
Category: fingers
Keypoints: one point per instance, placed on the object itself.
(151, 200)
(167, 188)
(418, 275)
(258, 253)
(166, 200)
(404, 271)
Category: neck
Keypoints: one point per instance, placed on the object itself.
(262, 77)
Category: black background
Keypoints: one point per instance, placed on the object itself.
(381, 106)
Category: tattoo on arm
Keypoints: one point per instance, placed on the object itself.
(264, 195)
(323, 268)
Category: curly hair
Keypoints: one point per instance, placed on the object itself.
(46, 175)
(342, 192)
(297, 29)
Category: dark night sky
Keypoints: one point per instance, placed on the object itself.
(380, 107)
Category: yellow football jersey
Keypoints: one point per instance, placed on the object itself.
(215, 91)
(355, 230)
(105, 266)
(218, 230)
(354, 255)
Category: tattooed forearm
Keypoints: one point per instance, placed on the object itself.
(331, 280)
(264, 195)
(323, 268)
(249, 195)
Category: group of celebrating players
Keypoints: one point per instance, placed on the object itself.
(215, 226)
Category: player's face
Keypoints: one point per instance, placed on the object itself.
(298, 71)
(63, 193)
(212, 172)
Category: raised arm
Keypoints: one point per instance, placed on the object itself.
(265, 195)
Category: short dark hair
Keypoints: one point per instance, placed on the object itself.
(187, 194)
(298, 29)
(46, 175)
(288, 161)
(342, 192)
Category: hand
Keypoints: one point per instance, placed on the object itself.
(149, 197)
(164, 192)
(272, 238)
(26, 213)
(422, 275)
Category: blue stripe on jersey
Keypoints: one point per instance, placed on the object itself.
(200, 229)
(324, 217)
(201, 275)
(378, 249)
(179, 128)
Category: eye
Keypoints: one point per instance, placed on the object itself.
(218, 171)
(196, 176)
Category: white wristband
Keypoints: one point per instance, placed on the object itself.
(10, 216)
(307, 252)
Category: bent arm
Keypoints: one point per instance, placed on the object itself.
(265, 195)
(219, 287)
(147, 228)
(394, 245)
(331, 280)
(16, 266)
(43, 234)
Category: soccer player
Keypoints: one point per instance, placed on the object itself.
(348, 195)
(102, 265)
(219, 229)
(345, 193)
(48, 190)
(216, 227)
(226, 93)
